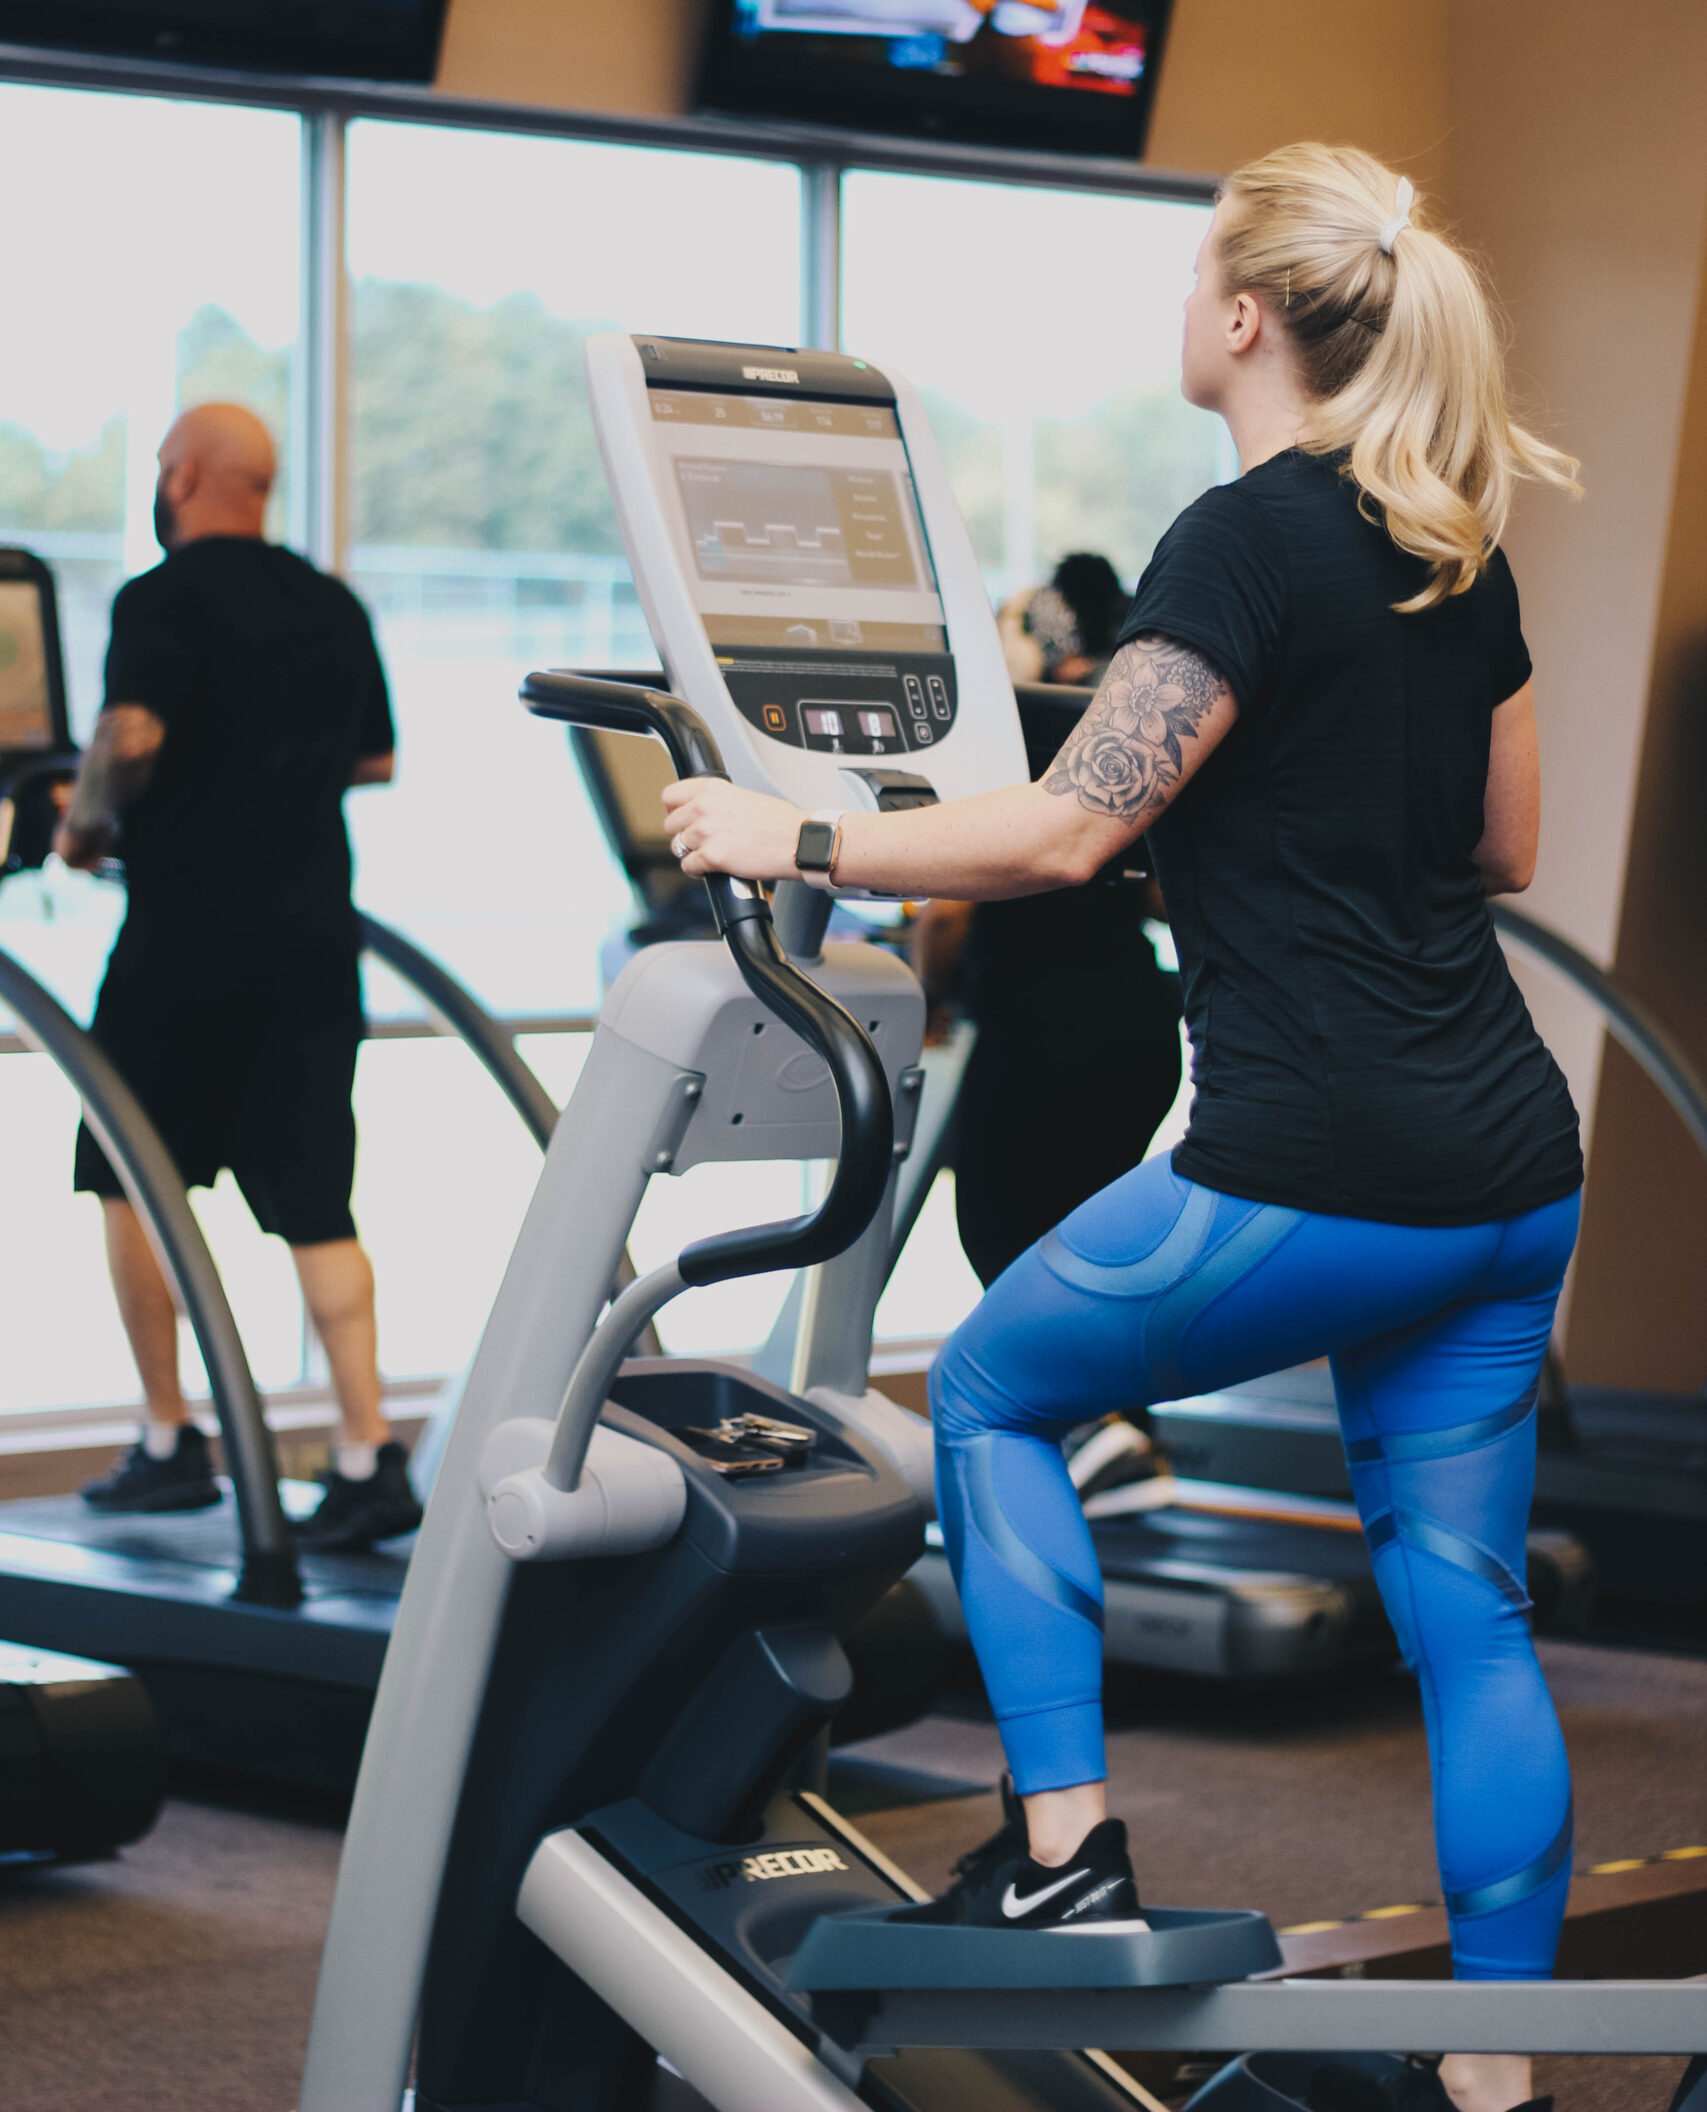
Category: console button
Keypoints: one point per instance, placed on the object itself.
(939, 698)
(915, 695)
(776, 719)
(922, 733)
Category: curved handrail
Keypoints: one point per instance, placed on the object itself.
(744, 920)
(469, 1020)
(268, 1573)
(1628, 1020)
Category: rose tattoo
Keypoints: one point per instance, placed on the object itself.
(1124, 757)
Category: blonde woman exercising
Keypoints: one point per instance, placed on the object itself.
(1321, 711)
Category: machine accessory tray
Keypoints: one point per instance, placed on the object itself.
(1185, 1946)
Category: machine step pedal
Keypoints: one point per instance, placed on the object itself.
(1183, 1946)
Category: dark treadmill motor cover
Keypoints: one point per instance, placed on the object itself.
(82, 1770)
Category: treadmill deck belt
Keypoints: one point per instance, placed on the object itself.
(203, 1541)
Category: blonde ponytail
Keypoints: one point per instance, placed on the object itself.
(1398, 346)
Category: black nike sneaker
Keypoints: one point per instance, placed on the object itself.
(181, 1482)
(999, 1886)
(1416, 2087)
(354, 1514)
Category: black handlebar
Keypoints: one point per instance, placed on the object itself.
(621, 707)
(744, 921)
(862, 1099)
(627, 707)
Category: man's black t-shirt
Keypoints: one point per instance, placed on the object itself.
(265, 673)
(1359, 1047)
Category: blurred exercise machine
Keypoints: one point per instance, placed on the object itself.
(82, 1768)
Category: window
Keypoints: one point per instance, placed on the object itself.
(158, 265)
(155, 266)
(1043, 329)
(482, 535)
(152, 263)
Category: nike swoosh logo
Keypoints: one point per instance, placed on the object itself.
(1013, 1906)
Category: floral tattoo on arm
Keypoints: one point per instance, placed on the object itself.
(1124, 758)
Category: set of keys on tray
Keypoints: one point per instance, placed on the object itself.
(741, 1445)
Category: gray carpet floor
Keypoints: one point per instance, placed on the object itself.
(178, 1976)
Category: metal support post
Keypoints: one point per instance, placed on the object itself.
(319, 524)
(821, 255)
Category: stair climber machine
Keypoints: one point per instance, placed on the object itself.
(580, 1873)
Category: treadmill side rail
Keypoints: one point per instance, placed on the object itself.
(674, 1992)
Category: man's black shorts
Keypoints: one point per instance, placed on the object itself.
(243, 1053)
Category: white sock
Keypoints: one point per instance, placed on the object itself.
(160, 1440)
(357, 1462)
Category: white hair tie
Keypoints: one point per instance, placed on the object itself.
(1400, 220)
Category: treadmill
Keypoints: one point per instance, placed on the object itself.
(1622, 1471)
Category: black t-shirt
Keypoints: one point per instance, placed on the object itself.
(1359, 1047)
(265, 673)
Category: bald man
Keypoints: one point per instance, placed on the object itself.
(244, 697)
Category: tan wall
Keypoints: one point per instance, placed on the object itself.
(1242, 76)
(1640, 1316)
(574, 54)
(1578, 164)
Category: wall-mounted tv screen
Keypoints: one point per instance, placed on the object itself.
(1077, 76)
(369, 40)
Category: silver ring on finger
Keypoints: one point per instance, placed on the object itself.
(679, 848)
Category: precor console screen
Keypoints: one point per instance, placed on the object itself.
(797, 522)
(26, 708)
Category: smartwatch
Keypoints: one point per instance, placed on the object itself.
(818, 846)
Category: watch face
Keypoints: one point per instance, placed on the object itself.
(816, 843)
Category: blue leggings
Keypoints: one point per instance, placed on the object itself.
(1157, 1289)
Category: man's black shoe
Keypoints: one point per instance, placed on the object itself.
(999, 1886)
(181, 1482)
(354, 1514)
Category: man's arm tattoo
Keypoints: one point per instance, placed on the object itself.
(1125, 758)
(116, 766)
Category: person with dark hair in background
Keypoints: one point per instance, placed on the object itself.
(244, 698)
(1071, 1008)
(1065, 631)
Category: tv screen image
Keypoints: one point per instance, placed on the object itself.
(1076, 75)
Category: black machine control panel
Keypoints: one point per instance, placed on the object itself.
(861, 705)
